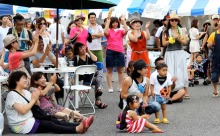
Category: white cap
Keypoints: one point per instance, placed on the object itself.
(215, 16)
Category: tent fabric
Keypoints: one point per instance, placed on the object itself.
(189, 7)
(6, 9)
(131, 6)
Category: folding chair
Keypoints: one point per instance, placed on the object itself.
(82, 70)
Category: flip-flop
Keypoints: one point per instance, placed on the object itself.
(84, 125)
(89, 121)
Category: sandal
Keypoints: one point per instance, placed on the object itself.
(101, 105)
(215, 94)
(156, 121)
(186, 97)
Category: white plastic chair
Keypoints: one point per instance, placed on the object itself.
(82, 70)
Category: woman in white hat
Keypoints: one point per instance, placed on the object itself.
(79, 32)
(15, 58)
(174, 38)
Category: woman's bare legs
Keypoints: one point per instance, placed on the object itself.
(109, 77)
(120, 76)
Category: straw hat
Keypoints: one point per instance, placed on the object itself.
(80, 16)
(9, 39)
(173, 16)
(136, 20)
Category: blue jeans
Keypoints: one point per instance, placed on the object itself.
(152, 107)
(60, 46)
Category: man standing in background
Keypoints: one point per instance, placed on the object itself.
(3, 29)
(52, 30)
(158, 36)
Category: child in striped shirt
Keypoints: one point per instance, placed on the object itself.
(135, 123)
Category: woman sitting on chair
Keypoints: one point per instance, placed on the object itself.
(83, 56)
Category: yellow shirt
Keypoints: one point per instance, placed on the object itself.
(211, 38)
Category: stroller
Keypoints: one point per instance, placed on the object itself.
(200, 73)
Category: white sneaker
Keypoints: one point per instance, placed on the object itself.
(119, 90)
(110, 90)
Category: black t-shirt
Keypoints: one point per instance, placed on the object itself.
(78, 62)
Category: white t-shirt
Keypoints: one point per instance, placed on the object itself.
(96, 43)
(38, 56)
(3, 33)
(17, 122)
(157, 86)
(52, 29)
(159, 30)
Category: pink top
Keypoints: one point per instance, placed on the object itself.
(82, 36)
(115, 40)
(14, 60)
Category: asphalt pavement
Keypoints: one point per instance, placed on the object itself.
(198, 116)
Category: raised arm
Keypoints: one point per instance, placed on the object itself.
(52, 82)
(33, 50)
(107, 27)
(147, 32)
(92, 56)
(124, 24)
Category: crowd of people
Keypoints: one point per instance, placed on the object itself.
(116, 43)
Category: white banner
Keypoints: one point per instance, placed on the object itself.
(155, 11)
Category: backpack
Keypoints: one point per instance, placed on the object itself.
(120, 123)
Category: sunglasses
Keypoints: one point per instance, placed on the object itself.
(42, 23)
(172, 20)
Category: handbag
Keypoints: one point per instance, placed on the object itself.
(38, 113)
(120, 104)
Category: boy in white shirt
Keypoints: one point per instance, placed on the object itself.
(160, 90)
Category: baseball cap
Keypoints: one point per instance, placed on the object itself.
(215, 16)
(9, 39)
(139, 64)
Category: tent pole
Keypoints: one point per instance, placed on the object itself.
(57, 31)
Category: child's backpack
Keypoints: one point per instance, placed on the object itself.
(120, 123)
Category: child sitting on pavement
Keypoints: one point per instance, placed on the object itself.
(135, 123)
(160, 90)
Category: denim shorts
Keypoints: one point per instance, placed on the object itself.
(114, 59)
(152, 107)
(215, 77)
(160, 99)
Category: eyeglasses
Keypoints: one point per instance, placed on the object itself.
(42, 23)
(172, 20)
